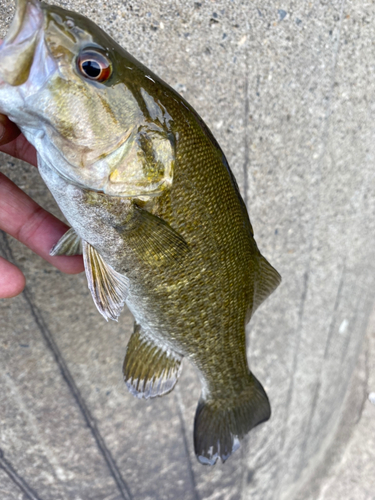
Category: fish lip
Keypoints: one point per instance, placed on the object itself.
(19, 45)
(26, 10)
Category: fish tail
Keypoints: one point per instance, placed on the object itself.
(221, 422)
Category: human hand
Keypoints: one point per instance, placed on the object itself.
(24, 219)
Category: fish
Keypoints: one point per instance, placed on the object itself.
(153, 207)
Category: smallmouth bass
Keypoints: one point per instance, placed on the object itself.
(153, 208)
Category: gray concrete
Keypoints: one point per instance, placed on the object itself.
(346, 469)
(288, 90)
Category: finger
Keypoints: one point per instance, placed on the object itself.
(18, 147)
(26, 221)
(8, 130)
(12, 280)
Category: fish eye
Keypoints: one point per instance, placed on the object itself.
(94, 66)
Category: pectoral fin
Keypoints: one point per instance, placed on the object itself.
(153, 239)
(108, 287)
(149, 371)
(69, 244)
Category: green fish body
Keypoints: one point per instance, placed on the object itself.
(154, 208)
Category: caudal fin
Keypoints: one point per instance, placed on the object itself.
(221, 423)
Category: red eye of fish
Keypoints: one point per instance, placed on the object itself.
(94, 66)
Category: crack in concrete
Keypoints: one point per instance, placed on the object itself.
(246, 143)
(365, 385)
(326, 349)
(69, 380)
(181, 412)
(16, 478)
(316, 203)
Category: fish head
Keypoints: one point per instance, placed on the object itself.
(70, 88)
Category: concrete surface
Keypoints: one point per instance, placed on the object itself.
(288, 90)
(346, 470)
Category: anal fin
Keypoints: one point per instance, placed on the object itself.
(108, 287)
(69, 244)
(149, 370)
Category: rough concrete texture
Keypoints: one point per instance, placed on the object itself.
(346, 469)
(288, 90)
(352, 475)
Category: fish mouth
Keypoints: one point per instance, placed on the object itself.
(18, 48)
(27, 20)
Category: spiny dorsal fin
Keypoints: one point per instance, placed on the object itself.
(154, 240)
(108, 287)
(69, 244)
(267, 281)
(149, 371)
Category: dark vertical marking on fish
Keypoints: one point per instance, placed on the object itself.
(17, 479)
(180, 409)
(326, 350)
(90, 421)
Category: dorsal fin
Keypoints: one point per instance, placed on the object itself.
(108, 287)
(69, 244)
(149, 370)
(267, 281)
